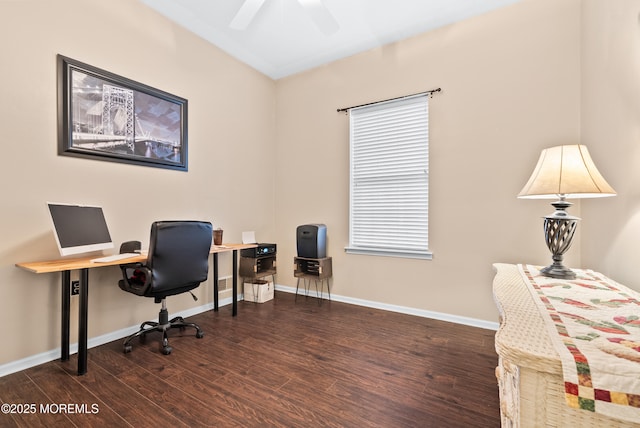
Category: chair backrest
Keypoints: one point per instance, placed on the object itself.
(178, 256)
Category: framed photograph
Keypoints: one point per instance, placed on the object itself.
(108, 117)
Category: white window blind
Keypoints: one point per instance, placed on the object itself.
(389, 195)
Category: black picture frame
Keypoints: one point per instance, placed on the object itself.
(108, 117)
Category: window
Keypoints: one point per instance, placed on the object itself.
(389, 191)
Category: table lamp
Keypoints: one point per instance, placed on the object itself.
(563, 172)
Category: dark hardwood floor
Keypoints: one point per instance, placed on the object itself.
(279, 363)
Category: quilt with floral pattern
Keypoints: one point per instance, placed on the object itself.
(594, 324)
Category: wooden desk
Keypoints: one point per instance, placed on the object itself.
(215, 250)
(83, 264)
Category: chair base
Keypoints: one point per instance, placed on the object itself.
(163, 325)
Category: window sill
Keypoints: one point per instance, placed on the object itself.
(425, 255)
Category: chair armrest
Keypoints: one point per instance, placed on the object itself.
(136, 278)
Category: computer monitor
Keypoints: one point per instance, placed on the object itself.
(79, 228)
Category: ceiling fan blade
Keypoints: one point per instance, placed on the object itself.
(245, 15)
(321, 16)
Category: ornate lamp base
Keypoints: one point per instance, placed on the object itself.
(559, 229)
(558, 270)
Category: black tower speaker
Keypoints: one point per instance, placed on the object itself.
(312, 241)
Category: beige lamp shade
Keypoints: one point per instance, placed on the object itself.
(566, 171)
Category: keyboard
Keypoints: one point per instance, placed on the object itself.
(114, 257)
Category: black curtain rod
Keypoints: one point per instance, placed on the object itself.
(391, 99)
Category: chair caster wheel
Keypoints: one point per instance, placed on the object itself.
(166, 350)
(127, 349)
(199, 334)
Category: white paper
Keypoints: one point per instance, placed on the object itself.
(249, 237)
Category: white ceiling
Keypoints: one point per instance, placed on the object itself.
(283, 38)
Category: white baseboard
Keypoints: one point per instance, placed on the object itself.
(472, 322)
(54, 354)
(44, 357)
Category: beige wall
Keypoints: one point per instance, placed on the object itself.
(126, 38)
(510, 84)
(611, 128)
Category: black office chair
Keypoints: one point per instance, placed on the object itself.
(178, 262)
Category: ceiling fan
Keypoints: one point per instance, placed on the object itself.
(316, 10)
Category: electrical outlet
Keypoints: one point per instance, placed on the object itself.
(75, 288)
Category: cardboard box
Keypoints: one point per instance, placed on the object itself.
(258, 291)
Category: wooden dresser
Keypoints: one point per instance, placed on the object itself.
(529, 371)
